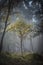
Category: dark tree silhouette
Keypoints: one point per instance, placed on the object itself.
(1, 43)
(10, 5)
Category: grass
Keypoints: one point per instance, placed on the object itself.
(13, 59)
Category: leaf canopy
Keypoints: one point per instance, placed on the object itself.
(20, 27)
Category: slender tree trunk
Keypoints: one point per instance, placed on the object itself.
(1, 43)
(31, 44)
(21, 40)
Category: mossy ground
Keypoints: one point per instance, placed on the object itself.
(13, 59)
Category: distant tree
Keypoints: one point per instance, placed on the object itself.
(21, 28)
(36, 31)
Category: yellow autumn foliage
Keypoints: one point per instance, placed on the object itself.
(20, 27)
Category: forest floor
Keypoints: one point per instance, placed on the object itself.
(29, 59)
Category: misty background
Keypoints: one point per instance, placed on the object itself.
(27, 11)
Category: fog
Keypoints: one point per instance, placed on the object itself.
(11, 42)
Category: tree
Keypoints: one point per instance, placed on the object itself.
(9, 5)
(21, 28)
(1, 43)
(36, 31)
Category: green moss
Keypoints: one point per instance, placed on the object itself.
(13, 59)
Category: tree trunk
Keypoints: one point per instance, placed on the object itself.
(31, 44)
(1, 43)
(21, 46)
